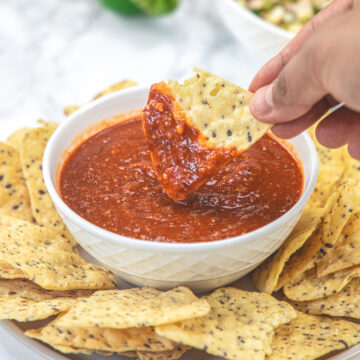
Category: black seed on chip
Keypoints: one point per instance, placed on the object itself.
(1, 177)
(213, 134)
(42, 192)
(249, 136)
(8, 186)
(222, 85)
(206, 125)
(229, 133)
(205, 102)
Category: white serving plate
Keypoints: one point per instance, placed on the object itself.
(16, 329)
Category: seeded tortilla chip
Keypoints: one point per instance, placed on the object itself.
(48, 125)
(174, 354)
(22, 300)
(36, 334)
(44, 235)
(332, 166)
(14, 195)
(136, 307)
(15, 138)
(32, 150)
(103, 339)
(309, 286)
(194, 128)
(267, 275)
(337, 212)
(239, 326)
(68, 110)
(9, 272)
(310, 337)
(116, 87)
(346, 251)
(48, 262)
(344, 303)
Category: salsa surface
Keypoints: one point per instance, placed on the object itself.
(109, 180)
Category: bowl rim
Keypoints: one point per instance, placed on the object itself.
(266, 25)
(153, 245)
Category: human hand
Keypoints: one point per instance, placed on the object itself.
(317, 70)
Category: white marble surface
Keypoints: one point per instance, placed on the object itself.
(59, 52)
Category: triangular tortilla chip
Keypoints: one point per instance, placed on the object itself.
(239, 326)
(46, 259)
(135, 307)
(22, 300)
(267, 275)
(14, 195)
(310, 337)
(309, 286)
(195, 128)
(332, 166)
(346, 251)
(344, 303)
(102, 339)
(32, 148)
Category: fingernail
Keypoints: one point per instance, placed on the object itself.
(262, 102)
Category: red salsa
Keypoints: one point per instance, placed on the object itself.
(109, 180)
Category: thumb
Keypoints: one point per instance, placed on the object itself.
(331, 53)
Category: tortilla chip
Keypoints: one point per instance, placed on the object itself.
(68, 110)
(346, 251)
(116, 87)
(206, 120)
(102, 339)
(15, 138)
(32, 150)
(332, 166)
(267, 275)
(48, 261)
(337, 212)
(9, 272)
(14, 195)
(135, 307)
(48, 125)
(22, 300)
(239, 326)
(310, 337)
(344, 303)
(309, 286)
(174, 354)
(35, 333)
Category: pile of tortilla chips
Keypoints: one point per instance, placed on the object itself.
(318, 267)
(43, 277)
(234, 324)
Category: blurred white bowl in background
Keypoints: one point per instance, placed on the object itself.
(259, 36)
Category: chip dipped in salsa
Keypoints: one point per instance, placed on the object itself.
(108, 179)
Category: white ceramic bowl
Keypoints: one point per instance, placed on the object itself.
(201, 266)
(257, 34)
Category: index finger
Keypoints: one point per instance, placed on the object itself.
(272, 68)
